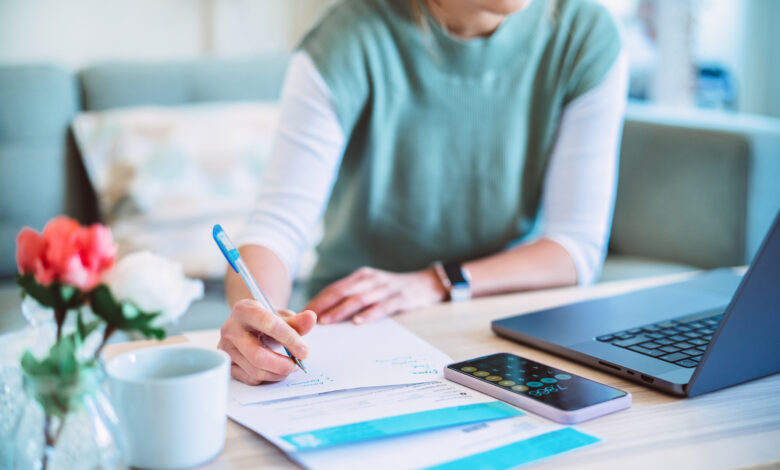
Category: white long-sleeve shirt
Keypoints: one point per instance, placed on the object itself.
(577, 198)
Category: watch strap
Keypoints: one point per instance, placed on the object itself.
(455, 278)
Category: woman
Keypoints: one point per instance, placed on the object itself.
(482, 133)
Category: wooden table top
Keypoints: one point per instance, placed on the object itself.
(734, 428)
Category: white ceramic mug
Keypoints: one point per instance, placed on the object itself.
(171, 402)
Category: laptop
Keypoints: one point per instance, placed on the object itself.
(713, 331)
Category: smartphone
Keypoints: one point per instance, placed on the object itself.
(555, 394)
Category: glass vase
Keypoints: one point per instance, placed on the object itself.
(11, 401)
(68, 425)
(37, 337)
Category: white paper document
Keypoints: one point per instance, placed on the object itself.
(374, 398)
(337, 418)
(345, 356)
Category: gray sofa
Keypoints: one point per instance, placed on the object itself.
(696, 190)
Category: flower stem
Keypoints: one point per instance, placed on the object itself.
(49, 441)
(59, 317)
(110, 329)
(51, 438)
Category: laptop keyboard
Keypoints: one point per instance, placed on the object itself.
(681, 341)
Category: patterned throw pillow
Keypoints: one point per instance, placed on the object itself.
(164, 175)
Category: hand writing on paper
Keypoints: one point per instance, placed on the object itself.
(368, 294)
(249, 334)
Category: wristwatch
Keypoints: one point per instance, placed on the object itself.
(455, 278)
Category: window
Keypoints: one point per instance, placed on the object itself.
(699, 52)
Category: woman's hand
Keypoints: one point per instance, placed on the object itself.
(369, 294)
(249, 334)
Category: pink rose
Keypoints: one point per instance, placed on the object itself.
(29, 253)
(66, 252)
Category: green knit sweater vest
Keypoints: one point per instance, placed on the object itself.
(448, 140)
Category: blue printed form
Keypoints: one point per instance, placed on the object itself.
(522, 452)
(492, 445)
(352, 416)
(403, 424)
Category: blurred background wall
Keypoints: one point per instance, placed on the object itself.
(707, 53)
(77, 33)
(710, 53)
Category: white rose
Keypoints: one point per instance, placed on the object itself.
(154, 284)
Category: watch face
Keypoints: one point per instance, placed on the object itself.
(460, 293)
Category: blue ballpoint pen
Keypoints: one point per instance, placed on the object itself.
(238, 265)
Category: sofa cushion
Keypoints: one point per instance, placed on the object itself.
(165, 175)
(36, 106)
(621, 267)
(696, 187)
(124, 84)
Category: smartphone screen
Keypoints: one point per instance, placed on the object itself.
(542, 383)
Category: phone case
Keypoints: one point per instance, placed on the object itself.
(529, 404)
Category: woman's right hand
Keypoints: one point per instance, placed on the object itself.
(251, 331)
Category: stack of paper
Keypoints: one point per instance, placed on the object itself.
(376, 393)
(344, 356)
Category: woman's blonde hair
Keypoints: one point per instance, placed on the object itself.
(417, 13)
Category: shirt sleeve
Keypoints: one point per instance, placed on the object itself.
(581, 181)
(593, 44)
(299, 176)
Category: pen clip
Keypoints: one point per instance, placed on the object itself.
(225, 246)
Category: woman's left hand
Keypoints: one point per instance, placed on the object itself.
(368, 294)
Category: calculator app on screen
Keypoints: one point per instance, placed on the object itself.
(538, 381)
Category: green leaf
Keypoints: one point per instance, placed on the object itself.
(42, 294)
(31, 365)
(60, 361)
(130, 311)
(123, 315)
(56, 295)
(63, 355)
(106, 307)
(60, 379)
(67, 292)
(142, 322)
(70, 297)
